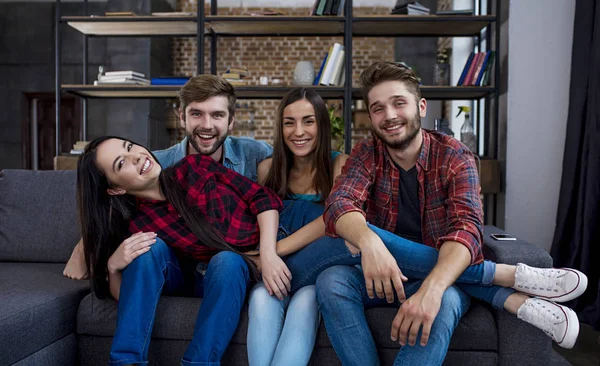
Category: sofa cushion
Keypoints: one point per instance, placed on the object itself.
(38, 215)
(39, 306)
(176, 316)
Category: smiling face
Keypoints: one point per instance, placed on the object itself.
(129, 168)
(300, 130)
(395, 113)
(207, 125)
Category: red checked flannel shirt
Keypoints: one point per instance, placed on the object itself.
(228, 200)
(451, 208)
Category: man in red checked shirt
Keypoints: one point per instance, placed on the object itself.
(417, 184)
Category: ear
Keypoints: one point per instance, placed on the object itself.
(182, 118)
(116, 191)
(231, 124)
(423, 107)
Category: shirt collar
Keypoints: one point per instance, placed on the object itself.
(229, 153)
(423, 159)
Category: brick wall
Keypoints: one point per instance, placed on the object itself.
(277, 58)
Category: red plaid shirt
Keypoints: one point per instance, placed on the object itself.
(451, 208)
(228, 200)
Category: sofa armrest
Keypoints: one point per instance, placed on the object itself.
(513, 252)
(519, 343)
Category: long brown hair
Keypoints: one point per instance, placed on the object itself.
(105, 218)
(278, 176)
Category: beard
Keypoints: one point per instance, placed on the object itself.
(412, 126)
(205, 150)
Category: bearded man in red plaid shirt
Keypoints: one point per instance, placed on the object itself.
(418, 184)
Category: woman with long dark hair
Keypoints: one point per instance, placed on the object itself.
(195, 211)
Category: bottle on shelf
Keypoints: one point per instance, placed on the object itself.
(467, 132)
(443, 125)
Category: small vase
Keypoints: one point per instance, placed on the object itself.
(304, 73)
(442, 74)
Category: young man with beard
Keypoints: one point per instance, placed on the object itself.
(415, 183)
(207, 113)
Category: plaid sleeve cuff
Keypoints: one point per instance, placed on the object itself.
(266, 202)
(333, 212)
(467, 239)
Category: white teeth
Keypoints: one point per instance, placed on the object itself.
(393, 128)
(206, 136)
(300, 143)
(146, 166)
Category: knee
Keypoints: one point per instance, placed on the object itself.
(262, 305)
(305, 298)
(158, 252)
(228, 265)
(454, 304)
(334, 284)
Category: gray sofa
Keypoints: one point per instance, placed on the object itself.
(46, 319)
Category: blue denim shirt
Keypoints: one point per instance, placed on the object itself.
(240, 154)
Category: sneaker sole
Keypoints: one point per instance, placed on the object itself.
(574, 293)
(570, 337)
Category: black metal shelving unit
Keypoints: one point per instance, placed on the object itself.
(347, 26)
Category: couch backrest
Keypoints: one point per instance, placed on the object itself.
(38, 215)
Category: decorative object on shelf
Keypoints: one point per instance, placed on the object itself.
(337, 130)
(443, 125)
(467, 132)
(442, 67)
(410, 8)
(304, 73)
(277, 82)
(264, 80)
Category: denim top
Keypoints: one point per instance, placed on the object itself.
(240, 154)
(312, 197)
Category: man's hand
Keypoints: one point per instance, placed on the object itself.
(419, 310)
(76, 269)
(382, 274)
(276, 276)
(130, 249)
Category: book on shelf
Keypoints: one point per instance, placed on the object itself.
(477, 69)
(328, 7)
(121, 81)
(173, 14)
(411, 8)
(169, 80)
(465, 12)
(330, 72)
(232, 75)
(237, 82)
(119, 14)
(242, 71)
(124, 73)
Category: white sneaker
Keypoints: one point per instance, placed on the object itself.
(556, 284)
(559, 322)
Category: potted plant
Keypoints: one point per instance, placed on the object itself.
(337, 130)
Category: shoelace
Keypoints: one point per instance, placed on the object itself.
(542, 315)
(549, 280)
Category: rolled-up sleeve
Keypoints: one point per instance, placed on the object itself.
(350, 191)
(465, 213)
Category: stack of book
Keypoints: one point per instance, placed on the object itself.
(410, 8)
(328, 7)
(78, 147)
(122, 77)
(236, 75)
(477, 69)
(332, 70)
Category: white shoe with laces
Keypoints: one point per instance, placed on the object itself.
(556, 284)
(559, 322)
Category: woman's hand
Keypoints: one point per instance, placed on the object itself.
(276, 276)
(130, 249)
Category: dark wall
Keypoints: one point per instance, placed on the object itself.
(27, 66)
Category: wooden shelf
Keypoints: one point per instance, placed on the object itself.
(446, 92)
(419, 25)
(134, 25)
(276, 25)
(154, 91)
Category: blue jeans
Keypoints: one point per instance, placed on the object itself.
(277, 336)
(157, 273)
(342, 298)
